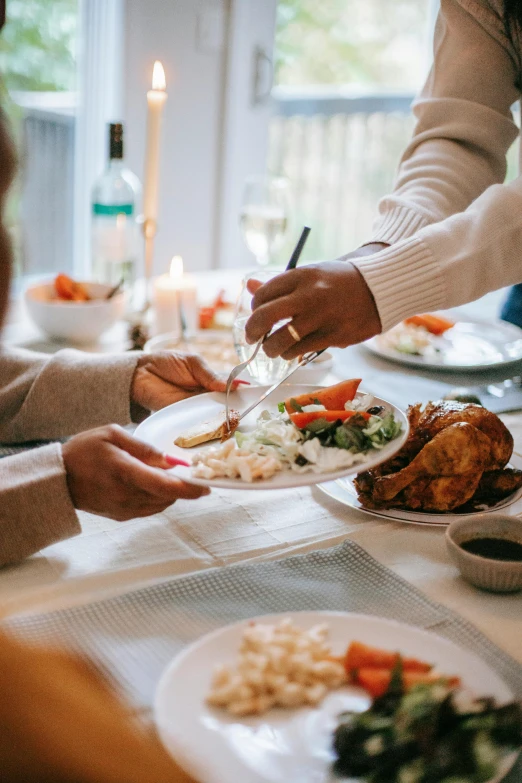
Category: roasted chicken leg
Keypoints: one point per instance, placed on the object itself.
(457, 450)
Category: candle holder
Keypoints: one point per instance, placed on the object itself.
(139, 329)
(149, 229)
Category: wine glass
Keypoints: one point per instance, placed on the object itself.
(262, 369)
(264, 216)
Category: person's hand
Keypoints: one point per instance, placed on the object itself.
(111, 473)
(329, 304)
(166, 377)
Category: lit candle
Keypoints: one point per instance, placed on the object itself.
(156, 101)
(168, 293)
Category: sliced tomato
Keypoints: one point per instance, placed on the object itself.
(301, 420)
(333, 397)
(435, 324)
(377, 681)
(363, 656)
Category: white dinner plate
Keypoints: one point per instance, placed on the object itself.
(344, 491)
(294, 745)
(162, 428)
(471, 345)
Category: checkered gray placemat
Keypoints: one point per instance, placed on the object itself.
(135, 635)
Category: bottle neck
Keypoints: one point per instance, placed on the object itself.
(115, 164)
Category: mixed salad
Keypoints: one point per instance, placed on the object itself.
(431, 733)
(322, 431)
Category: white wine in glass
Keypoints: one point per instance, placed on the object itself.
(264, 216)
(263, 369)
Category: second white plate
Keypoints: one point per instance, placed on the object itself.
(470, 345)
(290, 746)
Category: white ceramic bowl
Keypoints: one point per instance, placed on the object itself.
(499, 576)
(77, 322)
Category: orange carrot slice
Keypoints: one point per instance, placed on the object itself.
(435, 324)
(362, 656)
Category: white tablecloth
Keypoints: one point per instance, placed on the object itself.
(228, 527)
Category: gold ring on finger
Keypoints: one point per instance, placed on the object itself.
(293, 331)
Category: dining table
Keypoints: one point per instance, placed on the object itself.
(231, 527)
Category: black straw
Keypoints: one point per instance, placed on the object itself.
(298, 248)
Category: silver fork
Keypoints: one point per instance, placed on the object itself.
(294, 258)
(238, 369)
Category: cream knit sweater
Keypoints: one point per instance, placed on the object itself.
(41, 398)
(455, 231)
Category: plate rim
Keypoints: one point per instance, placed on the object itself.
(418, 362)
(178, 751)
(306, 479)
(443, 520)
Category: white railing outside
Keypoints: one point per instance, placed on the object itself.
(340, 151)
(45, 217)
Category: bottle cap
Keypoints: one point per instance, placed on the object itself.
(116, 141)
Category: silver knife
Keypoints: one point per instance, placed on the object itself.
(304, 361)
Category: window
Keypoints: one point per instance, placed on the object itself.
(38, 52)
(345, 75)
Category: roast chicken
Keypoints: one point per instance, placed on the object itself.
(455, 455)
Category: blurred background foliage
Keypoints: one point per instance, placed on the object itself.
(353, 42)
(38, 46)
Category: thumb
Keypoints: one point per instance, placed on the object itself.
(253, 285)
(144, 452)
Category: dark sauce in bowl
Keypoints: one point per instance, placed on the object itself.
(494, 548)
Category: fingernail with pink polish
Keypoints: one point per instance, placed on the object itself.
(243, 383)
(175, 461)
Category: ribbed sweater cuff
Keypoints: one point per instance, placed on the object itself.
(396, 224)
(404, 279)
(35, 506)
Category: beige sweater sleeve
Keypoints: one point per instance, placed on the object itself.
(44, 397)
(454, 231)
(35, 506)
(51, 396)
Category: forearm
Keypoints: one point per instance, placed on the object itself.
(464, 125)
(44, 397)
(451, 262)
(35, 507)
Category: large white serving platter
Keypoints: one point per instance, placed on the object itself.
(471, 345)
(290, 746)
(344, 491)
(163, 427)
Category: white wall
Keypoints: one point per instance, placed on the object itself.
(167, 30)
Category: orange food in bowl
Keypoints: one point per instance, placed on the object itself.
(69, 290)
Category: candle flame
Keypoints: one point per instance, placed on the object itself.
(176, 267)
(158, 77)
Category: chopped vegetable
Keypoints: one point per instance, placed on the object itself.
(377, 681)
(362, 656)
(302, 420)
(68, 289)
(427, 734)
(435, 324)
(333, 397)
